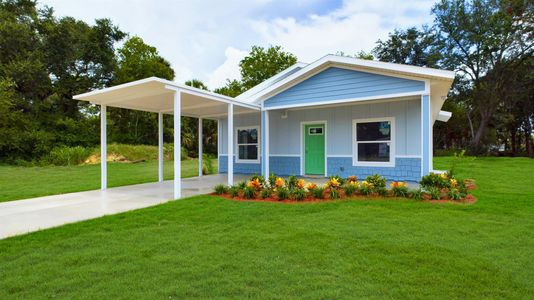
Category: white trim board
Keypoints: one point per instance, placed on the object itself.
(392, 142)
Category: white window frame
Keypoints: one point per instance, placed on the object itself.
(247, 161)
(391, 162)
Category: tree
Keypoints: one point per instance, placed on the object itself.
(481, 39)
(232, 88)
(137, 60)
(196, 83)
(261, 64)
(411, 47)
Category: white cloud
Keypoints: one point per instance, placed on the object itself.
(228, 70)
(204, 39)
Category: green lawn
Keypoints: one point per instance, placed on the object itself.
(208, 247)
(26, 182)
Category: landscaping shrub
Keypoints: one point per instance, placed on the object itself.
(298, 194)
(234, 191)
(249, 192)
(266, 193)
(399, 189)
(298, 189)
(334, 193)
(318, 192)
(207, 164)
(415, 194)
(435, 180)
(349, 189)
(68, 156)
(221, 189)
(283, 193)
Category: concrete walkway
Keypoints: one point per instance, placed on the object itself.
(23, 216)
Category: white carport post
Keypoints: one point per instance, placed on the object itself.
(199, 146)
(230, 141)
(177, 146)
(160, 147)
(103, 148)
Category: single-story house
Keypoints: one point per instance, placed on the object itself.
(337, 115)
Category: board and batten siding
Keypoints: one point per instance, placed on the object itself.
(337, 84)
(285, 132)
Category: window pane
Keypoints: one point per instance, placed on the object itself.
(373, 131)
(373, 152)
(247, 136)
(248, 152)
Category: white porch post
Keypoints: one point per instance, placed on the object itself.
(177, 146)
(265, 143)
(199, 146)
(160, 146)
(230, 142)
(103, 148)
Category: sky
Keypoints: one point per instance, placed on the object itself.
(207, 39)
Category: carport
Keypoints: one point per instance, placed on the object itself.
(166, 97)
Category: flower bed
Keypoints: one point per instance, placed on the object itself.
(433, 187)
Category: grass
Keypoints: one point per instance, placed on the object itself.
(27, 182)
(209, 247)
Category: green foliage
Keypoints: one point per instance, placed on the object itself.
(434, 192)
(400, 191)
(318, 192)
(458, 157)
(221, 189)
(434, 180)
(272, 180)
(249, 192)
(68, 156)
(366, 189)
(234, 190)
(349, 189)
(454, 194)
(242, 184)
(261, 64)
(415, 194)
(334, 193)
(266, 193)
(291, 182)
(283, 193)
(208, 167)
(377, 181)
(196, 83)
(298, 194)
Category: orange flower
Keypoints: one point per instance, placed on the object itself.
(255, 183)
(279, 182)
(301, 183)
(352, 178)
(454, 182)
(311, 186)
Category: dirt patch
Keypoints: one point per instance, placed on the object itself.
(112, 157)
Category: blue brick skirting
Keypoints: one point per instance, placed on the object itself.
(238, 168)
(406, 169)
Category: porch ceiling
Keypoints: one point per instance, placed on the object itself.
(156, 95)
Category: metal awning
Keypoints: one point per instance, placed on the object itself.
(156, 95)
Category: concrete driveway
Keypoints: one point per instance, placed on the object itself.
(22, 216)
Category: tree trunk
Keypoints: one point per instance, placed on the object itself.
(513, 134)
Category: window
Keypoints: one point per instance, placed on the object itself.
(315, 131)
(248, 144)
(373, 142)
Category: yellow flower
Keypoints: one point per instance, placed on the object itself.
(301, 183)
(443, 175)
(280, 182)
(334, 182)
(454, 182)
(354, 183)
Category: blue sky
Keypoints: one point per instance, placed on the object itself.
(207, 39)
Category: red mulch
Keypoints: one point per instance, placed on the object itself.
(467, 200)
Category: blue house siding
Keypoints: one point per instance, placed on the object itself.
(239, 168)
(406, 169)
(284, 165)
(337, 83)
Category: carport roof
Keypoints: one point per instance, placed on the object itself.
(154, 94)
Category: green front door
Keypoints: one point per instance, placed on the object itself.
(314, 149)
